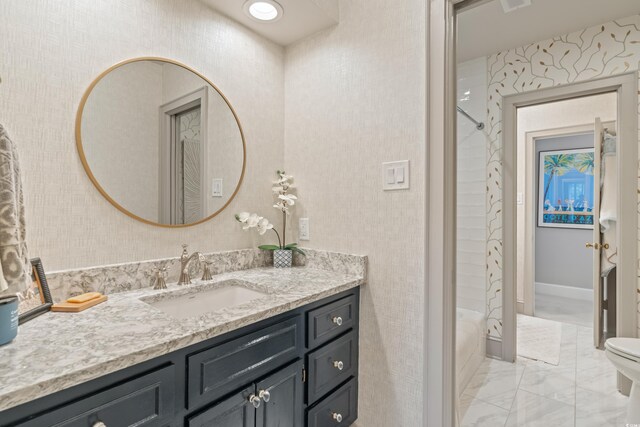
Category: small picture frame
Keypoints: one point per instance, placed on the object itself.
(36, 299)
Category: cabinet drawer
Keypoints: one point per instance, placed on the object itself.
(142, 402)
(331, 365)
(331, 320)
(341, 404)
(219, 370)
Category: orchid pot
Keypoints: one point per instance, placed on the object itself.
(282, 252)
(282, 258)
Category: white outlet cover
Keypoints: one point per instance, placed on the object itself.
(395, 175)
(216, 187)
(303, 229)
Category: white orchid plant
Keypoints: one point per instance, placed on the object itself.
(282, 188)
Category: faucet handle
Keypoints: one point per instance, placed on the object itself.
(206, 272)
(160, 282)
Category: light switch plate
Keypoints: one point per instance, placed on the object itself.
(395, 175)
(216, 187)
(303, 229)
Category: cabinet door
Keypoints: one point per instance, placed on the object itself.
(236, 411)
(282, 395)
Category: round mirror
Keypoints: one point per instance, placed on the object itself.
(160, 142)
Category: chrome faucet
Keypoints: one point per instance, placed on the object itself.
(185, 260)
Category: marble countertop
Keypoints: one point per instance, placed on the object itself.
(59, 350)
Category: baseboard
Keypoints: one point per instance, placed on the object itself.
(520, 307)
(564, 291)
(494, 348)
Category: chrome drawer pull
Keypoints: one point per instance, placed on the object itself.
(264, 395)
(337, 320)
(337, 417)
(255, 401)
(338, 365)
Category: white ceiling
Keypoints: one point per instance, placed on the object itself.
(300, 19)
(486, 29)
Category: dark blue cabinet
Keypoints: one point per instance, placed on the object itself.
(297, 369)
(146, 401)
(284, 406)
(217, 371)
(235, 411)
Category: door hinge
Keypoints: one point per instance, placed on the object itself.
(304, 375)
(605, 305)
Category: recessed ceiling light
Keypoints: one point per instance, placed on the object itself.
(263, 10)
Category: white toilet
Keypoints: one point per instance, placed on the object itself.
(624, 353)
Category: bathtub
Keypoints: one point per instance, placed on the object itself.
(470, 345)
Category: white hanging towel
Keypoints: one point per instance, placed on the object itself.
(608, 202)
(14, 261)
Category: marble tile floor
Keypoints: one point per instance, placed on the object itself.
(579, 392)
(565, 310)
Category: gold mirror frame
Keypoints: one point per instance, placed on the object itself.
(93, 179)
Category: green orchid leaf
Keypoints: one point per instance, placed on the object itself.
(269, 247)
(291, 245)
(298, 250)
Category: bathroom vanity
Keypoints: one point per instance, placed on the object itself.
(289, 358)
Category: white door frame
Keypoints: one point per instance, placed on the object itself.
(530, 206)
(626, 87)
(440, 246)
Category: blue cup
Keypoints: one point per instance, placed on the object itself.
(8, 319)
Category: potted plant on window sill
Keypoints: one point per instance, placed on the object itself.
(282, 252)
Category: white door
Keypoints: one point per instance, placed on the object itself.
(598, 322)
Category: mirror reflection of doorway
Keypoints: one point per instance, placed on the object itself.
(186, 164)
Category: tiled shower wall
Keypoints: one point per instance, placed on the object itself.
(471, 210)
(602, 50)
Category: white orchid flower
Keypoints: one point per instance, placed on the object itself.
(288, 199)
(252, 221)
(263, 226)
(243, 217)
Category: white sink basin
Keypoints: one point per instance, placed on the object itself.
(197, 303)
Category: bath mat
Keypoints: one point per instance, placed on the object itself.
(539, 339)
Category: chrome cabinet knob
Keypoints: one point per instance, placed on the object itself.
(337, 320)
(337, 417)
(338, 365)
(264, 395)
(254, 400)
(99, 424)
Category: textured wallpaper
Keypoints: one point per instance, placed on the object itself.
(119, 129)
(46, 70)
(603, 50)
(355, 97)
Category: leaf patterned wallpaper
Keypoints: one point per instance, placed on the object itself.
(599, 51)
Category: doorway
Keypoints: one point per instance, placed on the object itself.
(555, 210)
(515, 107)
(565, 278)
(544, 69)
